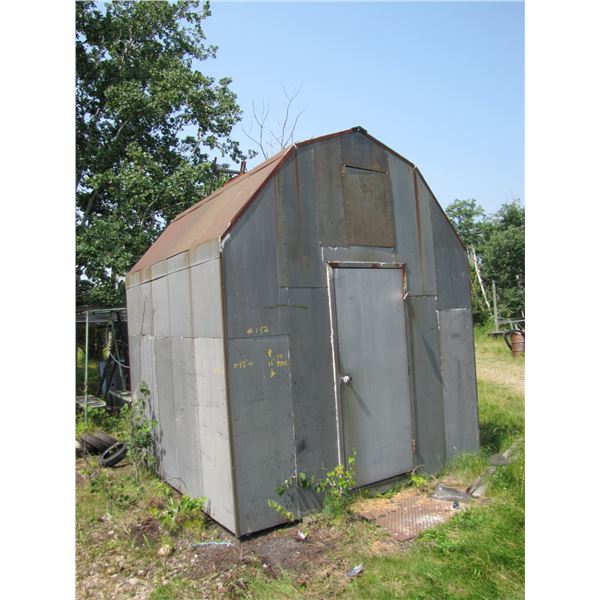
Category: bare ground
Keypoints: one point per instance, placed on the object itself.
(496, 364)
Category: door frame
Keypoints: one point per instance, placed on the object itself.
(353, 264)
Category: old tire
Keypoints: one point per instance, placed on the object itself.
(91, 444)
(113, 455)
(105, 439)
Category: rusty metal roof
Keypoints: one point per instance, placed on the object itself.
(210, 218)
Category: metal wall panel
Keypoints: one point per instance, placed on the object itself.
(427, 382)
(205, 252)
(159, 269)
(328, 192)
(425, 240)
(460, 384)
(132, 279)
(167, 433)
(359, 151)
(368, 207)
(254, 302)
(262, 427)
(186, 415)
(147, 311)
(372, 350)
(148, 376)
(207, 309)
(298, 255)
(178, 262)
(359, 254)
(133, 297)
(180, 304)
(312, 385)
(214, 430)
(160, 305)
(135, 348)
(405, 218)
(451, 267)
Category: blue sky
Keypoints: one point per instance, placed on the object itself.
(440, 83)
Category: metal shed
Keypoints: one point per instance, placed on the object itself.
(315, 305)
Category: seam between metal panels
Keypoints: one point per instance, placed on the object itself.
(409, 364)
(336, 391)
(236, 509)
(437, 314)
(294, 444)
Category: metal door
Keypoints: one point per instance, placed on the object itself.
(373, 372)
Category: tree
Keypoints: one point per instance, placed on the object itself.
(468, 219)
(145, 122)
(268, 138)
(503, 255)
(496, 249)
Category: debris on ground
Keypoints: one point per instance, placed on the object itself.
(406, 514)
(165, 550)
(480, 485)
(213, 543)
(499, 460)
(357, 570)
(301, 535)
(443, 492)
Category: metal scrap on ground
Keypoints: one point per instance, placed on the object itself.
(408, 513)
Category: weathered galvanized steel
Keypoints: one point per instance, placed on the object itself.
(330, 259)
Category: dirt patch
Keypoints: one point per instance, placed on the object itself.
(146, 531)
(512, 377)
(282, 550)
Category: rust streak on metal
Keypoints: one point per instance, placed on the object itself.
(419, 231)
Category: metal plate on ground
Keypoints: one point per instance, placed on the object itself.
(407, 514)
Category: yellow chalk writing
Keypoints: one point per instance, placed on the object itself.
(260, 330)
(243, 364)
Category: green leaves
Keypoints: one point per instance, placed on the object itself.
(146, 119)
(499, 243)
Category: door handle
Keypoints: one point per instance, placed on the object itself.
(346, 379)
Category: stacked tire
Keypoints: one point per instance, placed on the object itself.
(111, 451)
